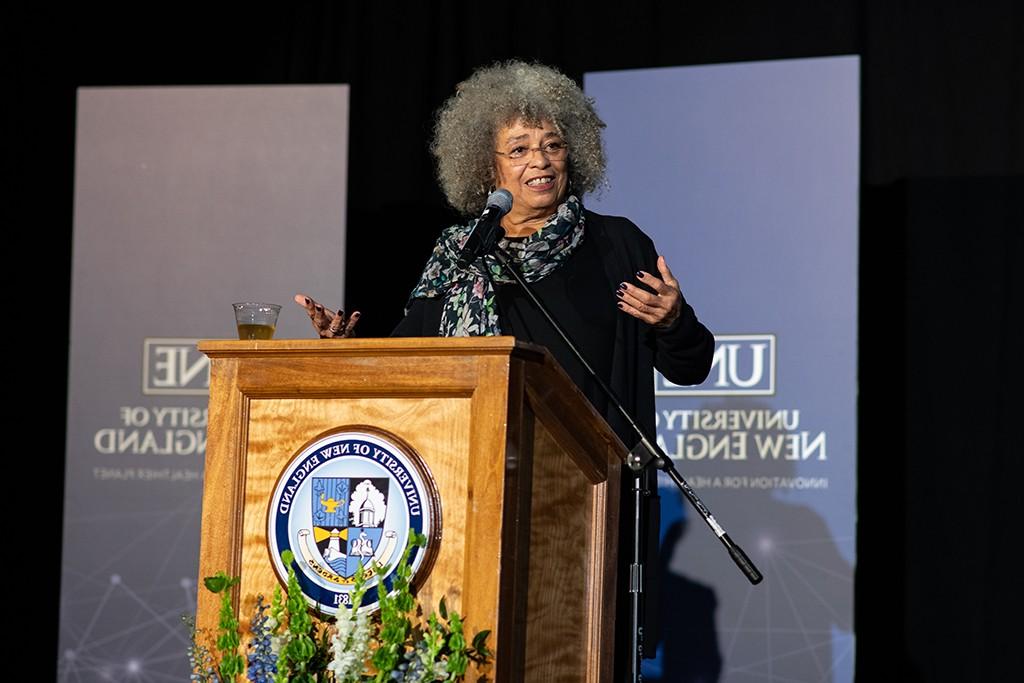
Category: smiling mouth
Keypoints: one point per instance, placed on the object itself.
(540, 181)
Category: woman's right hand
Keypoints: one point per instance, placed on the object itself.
(327, 323)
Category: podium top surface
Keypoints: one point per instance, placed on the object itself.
(290, 363)
(456, 346)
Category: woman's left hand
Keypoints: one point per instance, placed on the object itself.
(659, 308)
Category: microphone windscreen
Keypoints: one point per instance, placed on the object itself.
(501, 200)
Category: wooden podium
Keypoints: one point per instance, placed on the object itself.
(527, 473)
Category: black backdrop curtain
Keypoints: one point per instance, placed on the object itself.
(942, 186)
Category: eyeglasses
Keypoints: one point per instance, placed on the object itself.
(554, 150)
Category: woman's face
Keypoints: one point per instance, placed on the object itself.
(539, 177)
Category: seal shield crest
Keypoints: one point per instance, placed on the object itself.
(346, 503)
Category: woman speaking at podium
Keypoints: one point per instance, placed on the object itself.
(530, 130)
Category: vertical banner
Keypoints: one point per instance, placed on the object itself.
(746, 177)
(186, 200)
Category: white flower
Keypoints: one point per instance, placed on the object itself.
(440, 671)
(278, 642)
(350, 646)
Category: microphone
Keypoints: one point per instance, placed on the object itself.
(488, 229)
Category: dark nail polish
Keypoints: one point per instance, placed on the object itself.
(622, 306)
(307, 300)
(640, 274)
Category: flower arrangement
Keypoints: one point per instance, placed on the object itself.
(287, 644)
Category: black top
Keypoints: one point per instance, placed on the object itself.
(579, 296)
(623, 350)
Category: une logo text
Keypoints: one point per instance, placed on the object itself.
(742, 365)
(174, 366)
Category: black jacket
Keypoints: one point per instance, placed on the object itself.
(682, 352)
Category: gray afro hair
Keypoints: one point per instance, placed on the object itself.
(496, 96)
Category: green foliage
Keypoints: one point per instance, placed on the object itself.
(479, 652)
(458, 660)
(358, 588)
(232, 664)
(277, 611)
(394, 610)
(430, 650)
(295, 661)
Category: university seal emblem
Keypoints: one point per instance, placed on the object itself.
(347, 502)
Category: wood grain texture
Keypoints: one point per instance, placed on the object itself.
(222, 486)
(570, 418)
(375, 348)
(573, 537)
(602, 581)
(485, 498)
(281, 427)
(526, 509)
(515, 530)
(560, 575)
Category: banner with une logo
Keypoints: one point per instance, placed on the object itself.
(746, 177)
(186, 200)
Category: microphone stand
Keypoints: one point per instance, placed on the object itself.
(643, 455)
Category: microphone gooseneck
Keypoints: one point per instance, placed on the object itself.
(644, 454)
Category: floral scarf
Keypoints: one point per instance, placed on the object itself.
(470, 307)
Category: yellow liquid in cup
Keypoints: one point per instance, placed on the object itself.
(249, 331)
